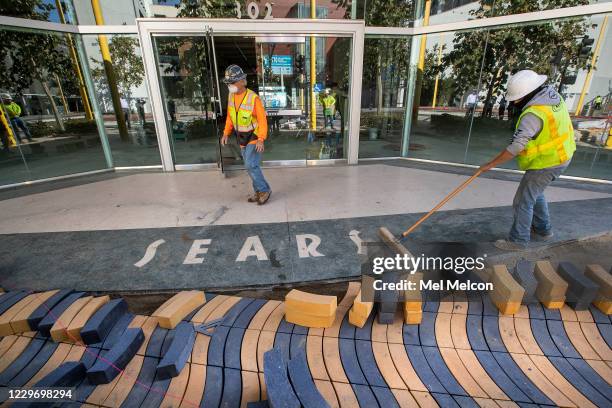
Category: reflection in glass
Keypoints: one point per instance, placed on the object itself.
(278, 70)
(383, 96)
(138, 147)
(42, 99)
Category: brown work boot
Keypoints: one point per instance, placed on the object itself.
(264, 197)
(254, 198)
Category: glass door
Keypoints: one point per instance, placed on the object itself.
(303, 73)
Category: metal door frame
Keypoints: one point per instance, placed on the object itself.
(282, 26)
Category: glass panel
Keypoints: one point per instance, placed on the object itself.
(138, 145)
(383, 96)
(278, 70)
(41, 75)
(447, 95)
(45, 10)
(399, 13)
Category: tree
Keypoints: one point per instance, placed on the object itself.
(28, 57)
(502, 51)
(127, 64)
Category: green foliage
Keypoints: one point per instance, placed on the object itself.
(127, 64)
(514, 48)
(41, 129)
(76, 127)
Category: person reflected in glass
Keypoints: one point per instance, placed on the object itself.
(470, 103)
(328, 101)
(125, 107)
(14, 112)
(140, 108)
(502, 108)
(543, 144)
(597, 102)
(246, 118)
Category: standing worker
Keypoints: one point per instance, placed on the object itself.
(597, 102)
(329, 108)
(543, 144)
(246, 117)
(14, 112)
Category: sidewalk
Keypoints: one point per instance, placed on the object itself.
(199, 231)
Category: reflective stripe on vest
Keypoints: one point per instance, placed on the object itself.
(243, 119)
(554, 144)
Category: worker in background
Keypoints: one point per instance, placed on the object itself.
(125, 107)
(329, 107)
(470, 103)
(597, 102)
(543, 144)
(14, 112)
(246, 117)
(502, 108)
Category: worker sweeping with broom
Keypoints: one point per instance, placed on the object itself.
(543, 144)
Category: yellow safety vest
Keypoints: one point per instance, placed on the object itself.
(328, 103)
(554, 144)
(242, 118)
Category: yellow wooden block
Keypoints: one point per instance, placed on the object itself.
(557, 304)
(360, 307)
(413, 306)
(508, 308)
(59, 329)
(7, 316)
(177, 307)
(551, 287)
(310, 303)
(19, 322)
(604, 306)
(357, 319)
(79, 321)
(308, 320)
(413, 317)
(602, 278)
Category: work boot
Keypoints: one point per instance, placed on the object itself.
(509, 245)
(254, 198)
(541, 237)
(264, 197)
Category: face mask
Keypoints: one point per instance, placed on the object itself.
(232, 88)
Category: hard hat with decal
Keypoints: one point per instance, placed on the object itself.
(233, 73)
(522, 83)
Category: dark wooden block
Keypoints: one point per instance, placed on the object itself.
(297, 344)
(587, 372)
(232, 388)
(423, 370)
(216, 346)
(302, 382)
(247, 314)
(213, 389)
(542, 337)
(144, 382)
(490, 325)
(559, 336)
(282, 342)
(348, 356)
(385, 397)
(445, 400)
(279, 389)
(586, 389)
(365, 396)
(43, 310)
(498, 375)
(232, 315)
(258, 404)
(179, 351)
(9, 299)
(581, 290)
(44, 327)
(386, 318)
(34, 365)
(22, 361)
(446, 378)
(119, 356)
(368, 365)
(475, 333)
(233, 345)
(427, 329)
(99, 325)
(117, 331)
(523, 273)
(66, 375)
(517, 375)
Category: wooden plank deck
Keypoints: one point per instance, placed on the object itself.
(464, 353)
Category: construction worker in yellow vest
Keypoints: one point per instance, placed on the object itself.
(246, 117)
(329, 107)
(543, 144)
(14, 112)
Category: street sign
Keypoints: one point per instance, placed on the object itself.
(281, 64)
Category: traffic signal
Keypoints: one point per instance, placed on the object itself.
(585, 46)
(299, 64)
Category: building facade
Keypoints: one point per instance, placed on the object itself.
(109, 85)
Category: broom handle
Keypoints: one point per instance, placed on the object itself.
(441, 203)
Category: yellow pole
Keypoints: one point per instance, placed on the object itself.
(110, 73)
(421, 62)
(313, 69)
(61, 92)
(587, 80)
(75, 65)
(435, 95)
(7, 127)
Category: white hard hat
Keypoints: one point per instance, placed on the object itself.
(523, 82)
(6, 96)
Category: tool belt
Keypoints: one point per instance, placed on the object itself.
(245, 137)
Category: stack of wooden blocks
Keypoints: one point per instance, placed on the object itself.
(507, 294)
(413, 302)
(309, 309)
